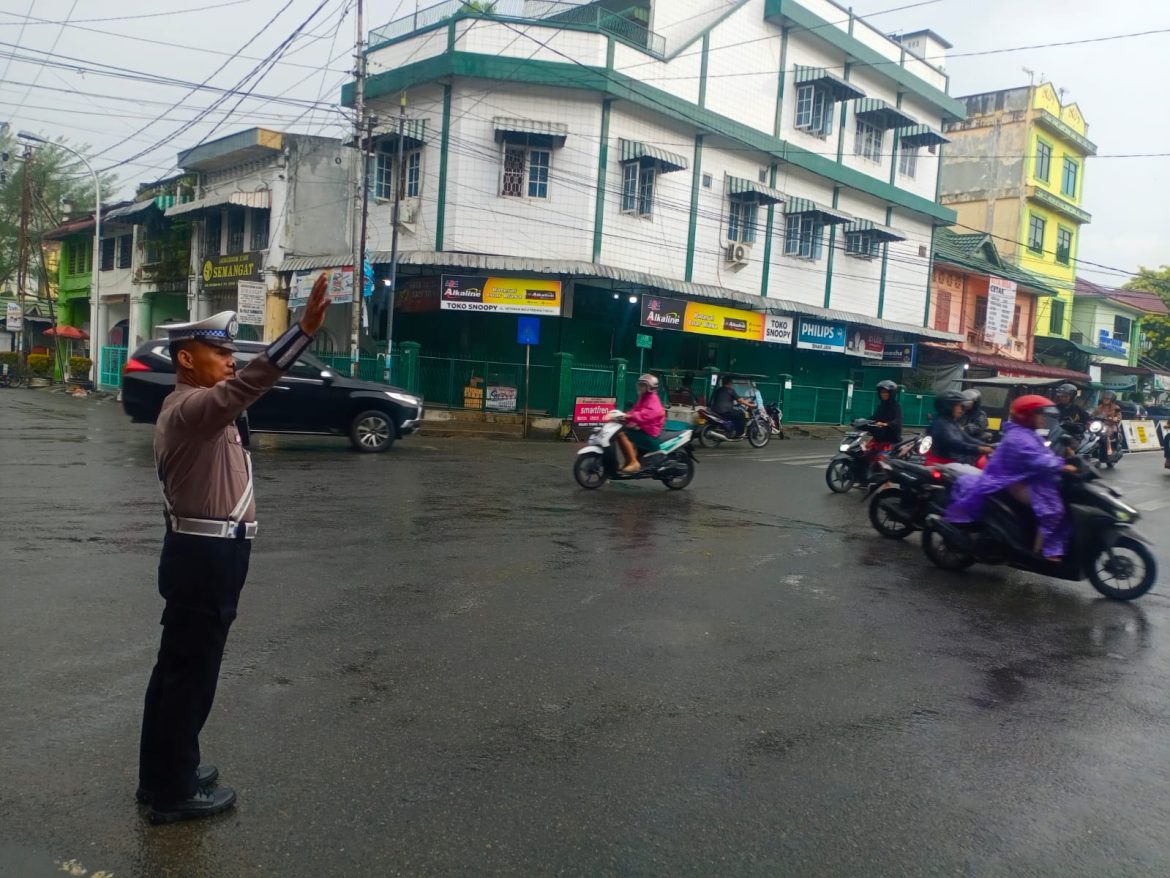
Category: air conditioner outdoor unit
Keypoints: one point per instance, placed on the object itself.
(738, 254)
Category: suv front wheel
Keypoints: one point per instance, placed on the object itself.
(372, 431)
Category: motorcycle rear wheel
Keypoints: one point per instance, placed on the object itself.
(758, 435)
(589, 471)
(707, 437)
(1111, 571)
(681, 480)
(935, 547)
(839, 476)
(881, 517)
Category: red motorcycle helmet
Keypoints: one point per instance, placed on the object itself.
(1025, 406)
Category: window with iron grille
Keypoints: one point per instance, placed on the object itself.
(742, 220)
(512, 184)
(235, 236)
(868, 141)
(259, 230)
(863, 244)
(803, 234)
(107, 253)
(525, 172)
(1036, 226)
(1064, 239)
(125, 250)
(814, 110)
(908, 162)
(80, 257)
(212, 227)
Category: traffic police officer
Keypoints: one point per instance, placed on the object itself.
(206, 476)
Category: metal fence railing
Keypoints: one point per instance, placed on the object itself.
(484, 385)
(591, 381)
(110, 367)
(586, 16)
(369, 368)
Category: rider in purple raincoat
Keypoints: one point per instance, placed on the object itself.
(1024, 465)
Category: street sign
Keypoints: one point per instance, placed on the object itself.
(644, 341)
(13, 317)
(528, 330)
(250, 302)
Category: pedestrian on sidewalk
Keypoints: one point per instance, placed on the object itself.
(206, 476)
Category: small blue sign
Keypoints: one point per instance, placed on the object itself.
(1107, 342)
(528, 330)
(817, 336)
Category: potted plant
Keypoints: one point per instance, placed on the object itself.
(40, 367)
(79, 371)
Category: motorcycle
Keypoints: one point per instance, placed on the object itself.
(1104, 548)
(598, 462)
(904, 492)
(1100, 453)
(715, 429)
(855, 463)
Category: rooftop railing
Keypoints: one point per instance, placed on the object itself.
(549, 12)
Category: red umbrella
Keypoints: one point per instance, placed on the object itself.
(67, 332)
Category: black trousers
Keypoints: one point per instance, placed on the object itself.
(200, 578)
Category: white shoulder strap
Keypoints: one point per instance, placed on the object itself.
(249, 492)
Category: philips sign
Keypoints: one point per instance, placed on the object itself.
(817, 336)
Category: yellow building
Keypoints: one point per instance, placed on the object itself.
(1016, 169)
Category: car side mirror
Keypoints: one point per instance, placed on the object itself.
(326, 376)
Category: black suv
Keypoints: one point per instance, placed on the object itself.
(309, 398)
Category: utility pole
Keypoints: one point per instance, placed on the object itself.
(22, 251)
(398, 195)
(360, 202)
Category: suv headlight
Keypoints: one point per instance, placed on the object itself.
(404, 398)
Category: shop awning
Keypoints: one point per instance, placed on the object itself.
(1017, 367)
(620, 278)
(633, 151)
(530, 131)
(130, 211)
(414, 134)
(742, 189)
(835, 85)
(829, 215)
(261, 199)
(877, 112)
(882, 233)
(920, 135)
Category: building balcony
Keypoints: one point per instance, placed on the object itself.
(1058, 204)
(1065, 131)
(621, 20)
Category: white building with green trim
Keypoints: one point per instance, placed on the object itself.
(767, 155)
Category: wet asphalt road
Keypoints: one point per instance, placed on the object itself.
(451, 661)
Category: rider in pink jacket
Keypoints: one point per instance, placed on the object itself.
(644, 423)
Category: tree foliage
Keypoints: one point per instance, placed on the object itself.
(1156, 329)
(56, 178)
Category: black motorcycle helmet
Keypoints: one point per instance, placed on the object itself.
(1069, 390)
(945, 402)
(889, 385)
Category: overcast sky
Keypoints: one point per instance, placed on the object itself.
(1117, 83)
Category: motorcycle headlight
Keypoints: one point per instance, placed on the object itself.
(1096, 427)
(845, 446)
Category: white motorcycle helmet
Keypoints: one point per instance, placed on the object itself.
(649, 380)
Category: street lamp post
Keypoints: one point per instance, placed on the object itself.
(96, 331)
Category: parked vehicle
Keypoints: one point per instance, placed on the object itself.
(310, 398)
(1132, 411)
(856, 461)
(598, 462)
(1104, 548)
(714, 429)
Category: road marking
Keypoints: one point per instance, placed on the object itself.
(804, 458)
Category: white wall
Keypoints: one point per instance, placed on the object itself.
(743, 67)
(479, 219)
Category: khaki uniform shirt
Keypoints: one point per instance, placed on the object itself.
(202, 463)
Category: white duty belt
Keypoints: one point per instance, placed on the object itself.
(231, 529)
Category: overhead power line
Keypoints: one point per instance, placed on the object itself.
(28, 18)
